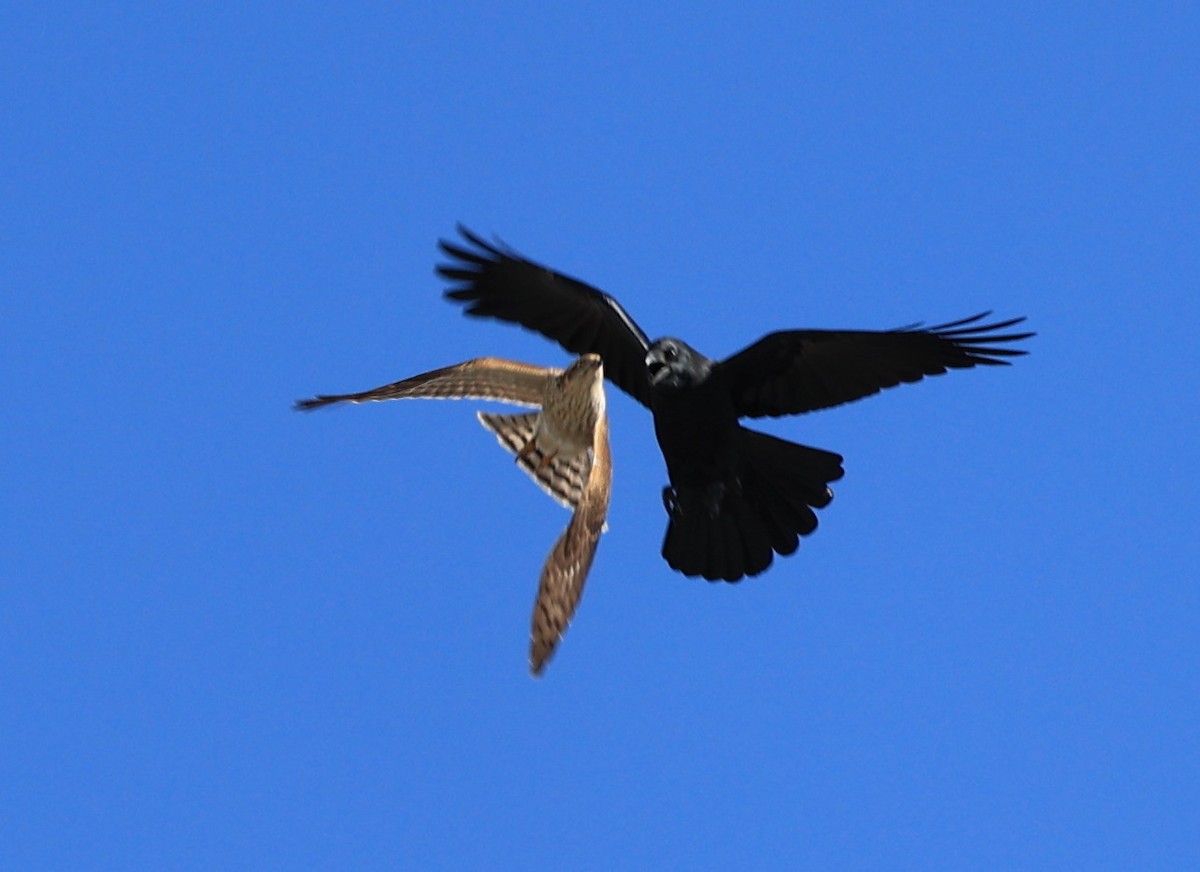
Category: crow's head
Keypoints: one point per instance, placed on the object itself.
(673, 364)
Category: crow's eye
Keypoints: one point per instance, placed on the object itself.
(670, 353)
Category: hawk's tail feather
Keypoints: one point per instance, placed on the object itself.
(562, 479)
(731, 530)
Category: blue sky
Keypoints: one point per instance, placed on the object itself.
(232, 636)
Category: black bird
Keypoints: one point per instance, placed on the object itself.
(736, 495)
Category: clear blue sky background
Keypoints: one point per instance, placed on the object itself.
(232, 636)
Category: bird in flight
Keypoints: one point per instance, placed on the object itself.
(736, 496)
(563, 446)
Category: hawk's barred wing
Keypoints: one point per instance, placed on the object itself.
(570, 560)
(484, 378)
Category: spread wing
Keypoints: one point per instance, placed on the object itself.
(797, 371)
(485, 378)
(570, 559)
(496, 282)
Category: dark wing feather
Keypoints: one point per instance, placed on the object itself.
(797, 371)
(496, 282)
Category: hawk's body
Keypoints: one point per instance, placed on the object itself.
(563, 446)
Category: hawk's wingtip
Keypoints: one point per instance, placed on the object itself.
(316, 402)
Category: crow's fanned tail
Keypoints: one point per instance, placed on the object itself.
(726, 531)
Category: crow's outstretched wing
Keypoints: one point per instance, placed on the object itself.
(496, 282)
(796, 371)
(484, 378)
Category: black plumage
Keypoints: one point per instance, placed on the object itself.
(736, 496)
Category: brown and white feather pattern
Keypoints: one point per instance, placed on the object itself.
(566, 569)
(562, 477)
(484, 378)
(563, 446)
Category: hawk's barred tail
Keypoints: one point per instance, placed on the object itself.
(561, 479)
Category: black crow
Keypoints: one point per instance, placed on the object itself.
(736, 496)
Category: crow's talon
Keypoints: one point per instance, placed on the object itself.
(670, 501)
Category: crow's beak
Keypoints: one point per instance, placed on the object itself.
(656, 367)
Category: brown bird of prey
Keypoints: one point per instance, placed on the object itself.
(563, 446)
(736, 496)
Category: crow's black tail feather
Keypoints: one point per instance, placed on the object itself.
(728, 530)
